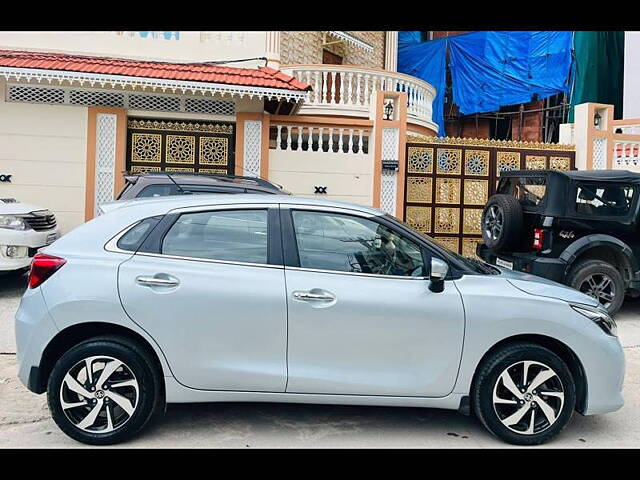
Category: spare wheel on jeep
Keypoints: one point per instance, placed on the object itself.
(501, 222)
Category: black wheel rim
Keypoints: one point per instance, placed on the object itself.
(601, 287)
(494, 223)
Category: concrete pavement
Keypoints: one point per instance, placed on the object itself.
(25, 419)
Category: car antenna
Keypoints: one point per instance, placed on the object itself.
(182, 191)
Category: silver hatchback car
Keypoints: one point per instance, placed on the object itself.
(219, 298)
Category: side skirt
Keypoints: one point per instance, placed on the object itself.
(177, 393)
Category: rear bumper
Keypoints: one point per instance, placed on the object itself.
(551, 268)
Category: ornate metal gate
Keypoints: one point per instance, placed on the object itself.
(180, 146)
(445, 198)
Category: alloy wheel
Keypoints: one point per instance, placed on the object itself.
(601, 287)
(99, 394)
(528, 397)
(493, 222)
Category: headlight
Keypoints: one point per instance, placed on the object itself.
(601, 318)
(12, 222)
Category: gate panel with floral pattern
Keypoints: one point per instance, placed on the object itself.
(449, 180)
(180, 146)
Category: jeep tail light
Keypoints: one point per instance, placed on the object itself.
(538, 238)
(42, 267)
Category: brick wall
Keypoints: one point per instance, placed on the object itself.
(306, 47)
(531, 124)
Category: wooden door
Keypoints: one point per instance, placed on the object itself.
(330, 58)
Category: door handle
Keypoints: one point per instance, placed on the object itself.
(307, 296)
(157, 282)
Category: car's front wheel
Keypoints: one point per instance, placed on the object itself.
(524, 394)
(103, 391)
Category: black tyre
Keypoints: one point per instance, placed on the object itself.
(600, 280)
(523, 394)
(104, 390)
(502, 222)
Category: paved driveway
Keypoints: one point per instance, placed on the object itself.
(25, 420)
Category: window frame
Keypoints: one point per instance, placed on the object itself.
(292, 256)
(152, 246)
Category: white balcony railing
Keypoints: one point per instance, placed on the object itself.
(321, 139)
(347, 90)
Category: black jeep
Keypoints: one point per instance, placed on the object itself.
(579, 228)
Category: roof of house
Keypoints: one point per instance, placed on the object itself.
(194, 72)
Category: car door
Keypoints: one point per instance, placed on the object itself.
(362, 320)
(208, 286)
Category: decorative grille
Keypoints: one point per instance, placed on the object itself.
(96, 97)
(215, 107)
(389, 180)
(105, 158)
(388, 189)
(109, 98)
(155, 102)
(599, 153)
(18, 93)
(252, 147)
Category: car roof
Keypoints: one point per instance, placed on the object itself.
(159, 205)
(624, 176)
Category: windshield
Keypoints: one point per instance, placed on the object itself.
(472, 264)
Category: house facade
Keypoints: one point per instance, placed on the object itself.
(303, 109)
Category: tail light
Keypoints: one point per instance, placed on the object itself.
(42, 267)
(538, 238)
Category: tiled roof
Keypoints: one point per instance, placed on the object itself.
(192, 72)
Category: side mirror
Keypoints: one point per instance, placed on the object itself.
(438, 273)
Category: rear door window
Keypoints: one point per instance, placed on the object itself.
(603, 200)
(229, 235)
(530, 191)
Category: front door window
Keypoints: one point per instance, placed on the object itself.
(345, 243)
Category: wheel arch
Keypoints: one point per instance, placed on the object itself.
(602, 247)
(74, 334)
(563, 351)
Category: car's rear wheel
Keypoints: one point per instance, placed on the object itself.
(104, 391)
(501, 222)
(524, 394)
(599, 280)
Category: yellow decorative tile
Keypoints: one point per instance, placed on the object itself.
(536, 162)
(146, 147)
(476, 192)
(472, 221)
(507, 161)
(446, 220)
(420, 160)
(449, 161)
(476, 162)
(419, 218)
(419, 189)
(447, 190)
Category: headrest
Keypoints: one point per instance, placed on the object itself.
(615, 195)
(586, 195)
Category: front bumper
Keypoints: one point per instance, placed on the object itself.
(31, 239)
(551, 268)
(604, 366)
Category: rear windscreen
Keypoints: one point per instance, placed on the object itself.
(530, 191)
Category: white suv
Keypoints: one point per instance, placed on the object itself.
(24, 228)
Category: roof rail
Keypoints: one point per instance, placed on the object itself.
(221, 176)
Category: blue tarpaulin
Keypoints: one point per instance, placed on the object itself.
(427, 61)
(489, 70)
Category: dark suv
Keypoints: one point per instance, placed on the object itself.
(160, 184)
(579, 228)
